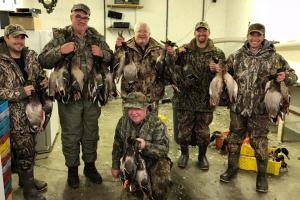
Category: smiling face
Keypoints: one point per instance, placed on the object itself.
(137, 115)
(201, 35)
(16, 43)
(142, 34)
(255, 40)
(79, 21)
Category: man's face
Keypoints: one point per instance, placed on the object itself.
(79, 21)
(15, 43)
(137, 115)
(202, 35)
(142, 36)
(255, 39)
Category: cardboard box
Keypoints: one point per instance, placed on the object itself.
(29, 23)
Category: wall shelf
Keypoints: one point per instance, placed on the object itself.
(120, 29)
(125, 6)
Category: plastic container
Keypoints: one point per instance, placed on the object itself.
(247, 150)
(3, 105)
(249, 163)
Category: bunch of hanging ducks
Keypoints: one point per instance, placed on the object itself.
(217, 84)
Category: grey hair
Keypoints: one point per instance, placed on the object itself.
(138, 25)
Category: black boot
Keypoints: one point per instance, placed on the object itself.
(184, 157)
(261, 178)
(73, 178)
(233, 159)
(29, 190)
(39, 185)
(91, 172)
(203, 162)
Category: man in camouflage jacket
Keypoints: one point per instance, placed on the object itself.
(251, 67)
(18, 64)
(144, 51)
(151, 134)
(79, 117)
(196, 69)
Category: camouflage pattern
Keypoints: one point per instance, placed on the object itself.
(194, 124)
(257, 128)
(51, 57)
(153, 131)
(136, 100)
(147, 81)
(202, 24)
(81, 6)
(12, 89)
(194, 76)
(252, 72)
(248, 112)
(257, 28)
(14, 30)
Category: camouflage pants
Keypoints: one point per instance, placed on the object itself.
(160, 176)
(194, 122)
(257, 127)
(79, 125)
(23, 150)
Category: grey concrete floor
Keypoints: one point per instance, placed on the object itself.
(190, 183)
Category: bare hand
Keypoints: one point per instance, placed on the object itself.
(214, 67)
(96, 51)
(142, 143)
(119, 41)
(28, 89)
(115, 173)
(67, 48)
(45, 83)
(280, 76)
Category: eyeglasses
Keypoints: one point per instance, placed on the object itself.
(85, 19)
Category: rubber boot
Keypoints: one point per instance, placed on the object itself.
(261, 178)
(91, 172)
(203, 162)
(73, 178)
(39, 185)
(29, 190)
(184, 157)
(233, 159)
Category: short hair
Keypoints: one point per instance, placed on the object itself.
(139, 24)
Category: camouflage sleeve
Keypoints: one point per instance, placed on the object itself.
(118, 146)
(107, 52)
(50, 54)
(159, 146)
(15, 94)
(291, 76)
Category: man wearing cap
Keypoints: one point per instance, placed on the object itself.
(151, 134)
(252, 66)
(141, 52)
(199, 61)
(19, 66)
(79, 113)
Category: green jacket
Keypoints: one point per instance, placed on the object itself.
(51, 57)
(251, 72)
(152, 130)
(12, 84)
(194, 76)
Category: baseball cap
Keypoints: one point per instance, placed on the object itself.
(202, 24)
(82, 7)
(257, 27)
(14, 30)
(136, 100)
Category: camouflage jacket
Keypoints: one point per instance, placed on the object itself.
(152, 130)
(12, 85)
(194, 75)
(251, 72)
(50, 57)
(147, 76)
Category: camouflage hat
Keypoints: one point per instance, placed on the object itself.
(256, 28)
(136, 100)
(82, 7)
(14, 30)
(202, 25)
